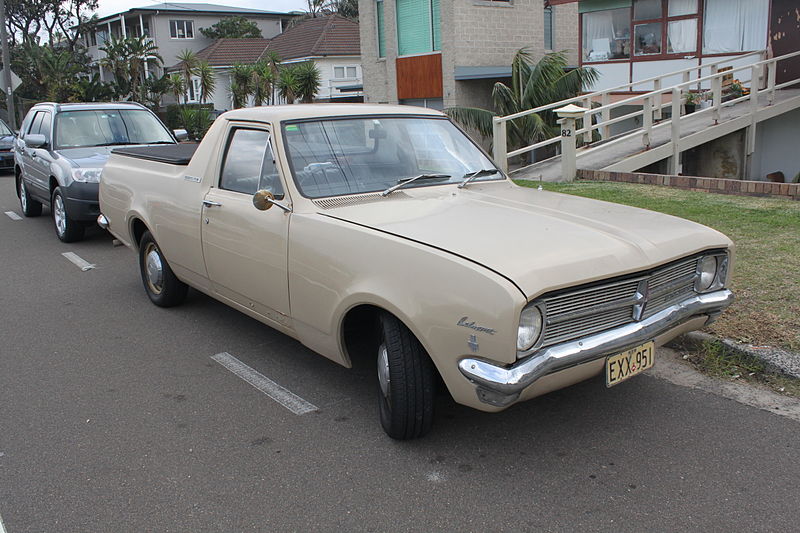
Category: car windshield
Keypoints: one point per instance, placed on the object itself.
(4, 130)
(107, 127)
(367, 154)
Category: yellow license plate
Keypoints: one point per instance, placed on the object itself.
(629, 363)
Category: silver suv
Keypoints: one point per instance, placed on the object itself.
(61, 150)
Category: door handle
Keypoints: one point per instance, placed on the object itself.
(209, 203)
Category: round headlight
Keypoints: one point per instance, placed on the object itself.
(530, 326)
(707, 272)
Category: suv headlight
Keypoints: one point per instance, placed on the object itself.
(87, 175)
(530, 327)
(711, 272)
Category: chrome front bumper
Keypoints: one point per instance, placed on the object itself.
(501, 386)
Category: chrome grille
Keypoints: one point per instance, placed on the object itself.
(583, 312)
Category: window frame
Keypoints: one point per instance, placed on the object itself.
(432, 31)
(185, 33)
(345, 77)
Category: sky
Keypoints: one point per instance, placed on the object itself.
(109, 7)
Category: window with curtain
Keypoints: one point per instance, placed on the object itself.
(606, 35)
(664, 27)
(735, 26)
(380, 32)
(548, 28)
(418, 27)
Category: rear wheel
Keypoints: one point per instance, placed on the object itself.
(67, 230)
(30, 207)
(161, 285)
(406, 379)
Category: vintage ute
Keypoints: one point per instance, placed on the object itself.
(384, 231)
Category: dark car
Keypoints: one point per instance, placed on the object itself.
(61, 151)
(7, 138)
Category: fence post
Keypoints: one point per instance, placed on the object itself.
(675, 164)
(568, 115)
(773, 67)
(647, 121)
(716, 93)
(657, 87)
(500, 143)
(605, 115)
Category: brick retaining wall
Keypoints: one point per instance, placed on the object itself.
(717, 185)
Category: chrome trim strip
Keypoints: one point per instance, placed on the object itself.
(501, 386)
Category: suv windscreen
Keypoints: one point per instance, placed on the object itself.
(368, 154)
(106, 127)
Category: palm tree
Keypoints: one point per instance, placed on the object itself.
(308, 81)
(241, 84)
(532, 85)
(273, 61)
(57, 69)
(177, 85)
(116, 61)
(139, 50)
(188, 61)
(288, 86)
(208, 80)
(262, 81)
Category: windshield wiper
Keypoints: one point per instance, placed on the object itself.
(159, 142)
(118, 143)
(405, 181)
(477, 174)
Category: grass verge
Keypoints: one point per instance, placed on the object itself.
(766, 232)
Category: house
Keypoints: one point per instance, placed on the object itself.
(441, 54)
(174, 27)
(332, 42)
(630, 40)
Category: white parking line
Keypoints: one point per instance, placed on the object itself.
(289, 400)
(80, 263)
(2, 528)
(13, 216)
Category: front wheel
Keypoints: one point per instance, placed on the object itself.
(29, 206)
(161, 284)
(67, 230)
(406, 381)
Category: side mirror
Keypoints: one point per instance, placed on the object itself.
(181, 135)
(35, 140)
(263, 200)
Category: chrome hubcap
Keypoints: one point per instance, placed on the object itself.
(383, 371)
(59, 216)
(23, 197)
(155, 270)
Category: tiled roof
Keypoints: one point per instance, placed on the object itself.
(321, 36)
(226, 52)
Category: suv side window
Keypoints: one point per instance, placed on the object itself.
(44, 128)
(36, 123)
(249, 164)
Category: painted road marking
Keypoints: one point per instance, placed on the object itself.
(291, 401)
(2, 528)
(79, 262)
(13, 216)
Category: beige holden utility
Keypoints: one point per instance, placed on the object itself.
(384, 231)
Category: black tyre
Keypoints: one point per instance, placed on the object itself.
(406, 379)
(67, 230)
(29, 206)
(161, 285)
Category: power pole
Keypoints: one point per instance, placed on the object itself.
(12, 116)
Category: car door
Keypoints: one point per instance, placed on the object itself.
(31, 167)
(245, 250)
(42, 157)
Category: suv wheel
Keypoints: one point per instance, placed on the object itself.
(30, 207)
(67, 229)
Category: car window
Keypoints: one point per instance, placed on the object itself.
(249, 163)
(36, 123)
(4, 129)
(44, 127)
(107, 127)
(367, 154)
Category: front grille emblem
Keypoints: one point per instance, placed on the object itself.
(642, 293)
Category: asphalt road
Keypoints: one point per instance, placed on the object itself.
(114, 418)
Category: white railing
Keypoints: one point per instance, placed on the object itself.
(599, 118)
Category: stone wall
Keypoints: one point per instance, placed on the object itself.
(716, 185)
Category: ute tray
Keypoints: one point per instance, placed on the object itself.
(173, 154)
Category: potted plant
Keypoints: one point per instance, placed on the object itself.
(691, 101)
